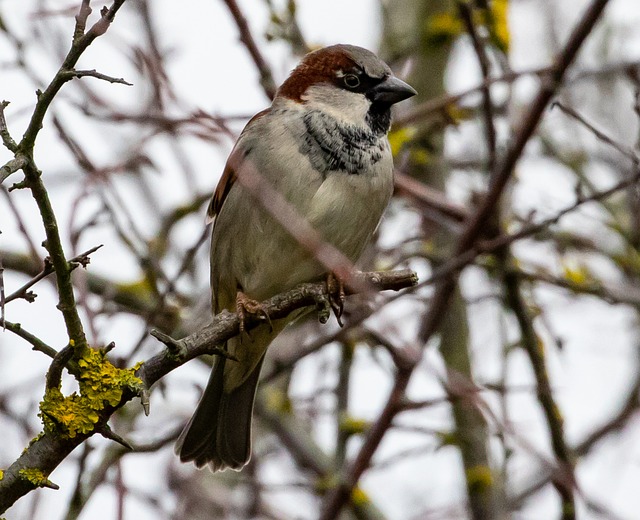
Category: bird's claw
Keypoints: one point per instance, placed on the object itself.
(246, 306)
(336, 294)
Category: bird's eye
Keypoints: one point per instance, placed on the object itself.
(351, 81)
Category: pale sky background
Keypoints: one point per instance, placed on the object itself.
(214, 72)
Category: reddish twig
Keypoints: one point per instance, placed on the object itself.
(439, 302)
(266, 77)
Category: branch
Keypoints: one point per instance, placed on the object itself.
(465, 245)
(79, 45)
(565, 481)
(629, 153)
(50, 448)
(503, 173)
(23, 159)
(266, 77)
(23, 292)
(36, 343)
(7, 140)
(342, 493)
(95, 74)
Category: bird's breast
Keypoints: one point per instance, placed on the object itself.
(335, 146)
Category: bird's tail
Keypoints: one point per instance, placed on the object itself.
(219, 433)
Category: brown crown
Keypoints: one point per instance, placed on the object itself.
(317, 67)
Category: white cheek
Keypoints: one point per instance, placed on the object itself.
(349, 107)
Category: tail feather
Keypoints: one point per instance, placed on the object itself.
(219, 433)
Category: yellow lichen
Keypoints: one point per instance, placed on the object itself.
(35, 476)
(36, 438)
(479, 477)
(359, 497)
(278, 401)
(500, 29)
(442, 28)
(101, 384)
(352, 425)
(400, 137)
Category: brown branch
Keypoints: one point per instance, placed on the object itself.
(95, 74)
(23, 292)
(342, 492)
(629, 153)
(306, 453)
(532, 345)
(466, 243)
(51, 448)
(266, 77)
(466, 14)
(429, 197)
(503, 174)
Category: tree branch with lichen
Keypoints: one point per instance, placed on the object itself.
(71, 420)
(23, 159)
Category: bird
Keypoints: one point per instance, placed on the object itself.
(322, 146)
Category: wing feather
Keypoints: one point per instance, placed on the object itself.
(229, 175)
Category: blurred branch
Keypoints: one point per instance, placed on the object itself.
(24, 152)
(266, 77)
(49, 449)
(406, 360)
(135, 297)
(424, 111)
(429, 198)
(466, 14)
(629, 153)
(306, 453)
(565, 481)
(503, 173)
(85, 488)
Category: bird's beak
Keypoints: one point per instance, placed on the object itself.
(390, 91)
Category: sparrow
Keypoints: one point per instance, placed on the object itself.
(322, 145)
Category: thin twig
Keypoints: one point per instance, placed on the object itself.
(7, 140)
(49, 449)
(95, 74)
(503, 174)
(36, 343)
(531, 343)
(82, 259)
(466, 13)
(266, 77)
(629, 153)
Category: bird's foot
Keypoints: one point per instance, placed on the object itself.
(335, 292)
(246, 306)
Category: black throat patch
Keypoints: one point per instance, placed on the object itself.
(335, 146)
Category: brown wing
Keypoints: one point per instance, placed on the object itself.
(219, 196)
(229, 176)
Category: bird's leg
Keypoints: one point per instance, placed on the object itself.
(246, 306)
(335, 291)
